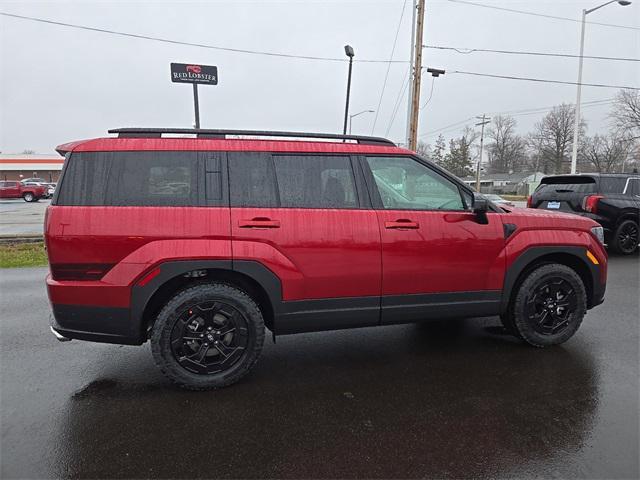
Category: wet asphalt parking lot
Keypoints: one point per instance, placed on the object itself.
(435, 400)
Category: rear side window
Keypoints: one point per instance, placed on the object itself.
(612, 184)
(310, 181)
(633, 187)
(252, 180)
(130, 179)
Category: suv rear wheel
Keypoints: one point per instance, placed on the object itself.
(625, 238)
(549, 305)
(208, 336)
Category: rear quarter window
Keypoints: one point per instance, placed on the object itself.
(130, 179)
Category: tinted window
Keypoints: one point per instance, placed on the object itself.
(252, 180)
(406, 184)
(612, 184)
(633, 188)
(130, 178)
(311, 181)
(567, 184)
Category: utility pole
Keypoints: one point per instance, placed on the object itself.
(483, 121)
(417, 78)
(412, 50)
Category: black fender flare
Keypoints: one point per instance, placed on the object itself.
(532, 254)
(140, 295)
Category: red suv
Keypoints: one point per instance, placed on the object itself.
(198, 243)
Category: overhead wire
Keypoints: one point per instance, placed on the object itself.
(467, 51)
(542, 15)
(542, 80)
(514, 113)
(193, 44)
(386, 75)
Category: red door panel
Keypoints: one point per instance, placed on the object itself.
(317, 253)
(431, 252)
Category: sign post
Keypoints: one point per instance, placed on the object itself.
(194, 74)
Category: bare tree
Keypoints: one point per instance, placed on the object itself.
(553, 138)
(28, 152)
(605, 153)
(507, 149)
(626, 114)
(424, 150)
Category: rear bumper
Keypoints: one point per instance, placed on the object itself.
(94, 324)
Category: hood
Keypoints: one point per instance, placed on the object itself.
(544, 219)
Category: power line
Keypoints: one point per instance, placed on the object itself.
(514, 113)
(535, 14)
(386, 75)
(467, 51)
(542, 80)
(433, 82)
(403, 89)
(191, 44)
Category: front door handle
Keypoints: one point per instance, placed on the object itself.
(259, 222)
(402, 223)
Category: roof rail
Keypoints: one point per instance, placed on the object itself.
(209, 133)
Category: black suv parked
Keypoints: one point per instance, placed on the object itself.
(612, 200)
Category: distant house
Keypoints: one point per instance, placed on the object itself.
(516, 183)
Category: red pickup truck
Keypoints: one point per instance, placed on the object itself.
(14, 189)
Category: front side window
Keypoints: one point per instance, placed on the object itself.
(405, 184)
(310, 181)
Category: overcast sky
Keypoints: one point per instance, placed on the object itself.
(59, 84)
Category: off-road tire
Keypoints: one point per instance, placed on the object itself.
(626, 227)
(170, 314)
(29, 197)
(524, 325)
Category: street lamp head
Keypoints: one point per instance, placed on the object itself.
(348, 49)
(624, 3)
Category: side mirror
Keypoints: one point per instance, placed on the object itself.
(480, 208)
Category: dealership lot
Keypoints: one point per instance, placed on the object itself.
(434, 400)
(18, 217)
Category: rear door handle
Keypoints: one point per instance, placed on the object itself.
(259, 222)
(402, 223)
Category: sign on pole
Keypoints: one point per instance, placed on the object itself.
(191, 73)
(194, 74)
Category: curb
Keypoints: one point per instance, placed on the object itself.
(4, 239)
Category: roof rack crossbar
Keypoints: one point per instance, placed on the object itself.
(214, 133)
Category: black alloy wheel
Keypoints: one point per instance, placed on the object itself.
(550, 305)
(209, 337)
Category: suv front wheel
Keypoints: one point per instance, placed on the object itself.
(207, 336)
(549, 305)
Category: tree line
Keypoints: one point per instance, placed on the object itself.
(549, 146)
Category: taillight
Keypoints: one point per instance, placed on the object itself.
(590, 203)
(79, 271)
(529, 201)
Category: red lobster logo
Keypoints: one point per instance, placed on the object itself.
(194, 68)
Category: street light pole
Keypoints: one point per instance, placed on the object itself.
(576, 124)
(348, 50)
(355, 115)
